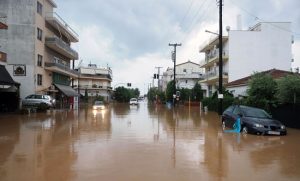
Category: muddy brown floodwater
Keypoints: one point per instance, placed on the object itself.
(140, 143)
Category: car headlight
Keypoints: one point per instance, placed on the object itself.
(258, 125)
(282, 127)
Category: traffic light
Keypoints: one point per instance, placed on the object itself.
(128, 84)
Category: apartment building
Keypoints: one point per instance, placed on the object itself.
(187, 75)
(38, 47)
(265, 46)
(95, 81)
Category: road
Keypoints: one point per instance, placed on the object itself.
(141, 142)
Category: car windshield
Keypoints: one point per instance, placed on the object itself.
(133, 99)
(254, 112)
(98, 103)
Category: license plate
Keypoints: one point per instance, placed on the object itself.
(274, 132)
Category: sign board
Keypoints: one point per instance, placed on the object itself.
(220, 96)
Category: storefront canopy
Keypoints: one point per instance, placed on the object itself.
(67, 90)
(5, 78)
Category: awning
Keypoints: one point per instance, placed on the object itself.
(67, 90)
(5, 78)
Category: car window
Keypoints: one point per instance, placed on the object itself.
(254, 112)
(29, 97)
(98, 103)
(38, 96)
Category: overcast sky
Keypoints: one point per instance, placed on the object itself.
(132, 36)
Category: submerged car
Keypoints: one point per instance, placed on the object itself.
(133, 101)
(99, 105)
(253, 120)
(39, 100)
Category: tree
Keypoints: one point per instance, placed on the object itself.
(197, 92)
(289, 89)
(122, 94)
(154, 93)
(170, 91)
(262, 90)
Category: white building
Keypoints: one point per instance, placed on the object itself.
(96, 81)
(267, 45)
(187, 75)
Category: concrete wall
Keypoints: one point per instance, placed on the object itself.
(260, 50)
(19, 40)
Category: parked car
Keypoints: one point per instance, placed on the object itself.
(133, 101)
(39, 100)
(99, 105)
(253, 120)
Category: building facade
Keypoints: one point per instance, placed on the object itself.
(187, 75)
(94, 81)
(38, 47)
(267, 45)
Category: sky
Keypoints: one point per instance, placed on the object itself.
(132, 36)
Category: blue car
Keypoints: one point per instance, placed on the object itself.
(253, 120)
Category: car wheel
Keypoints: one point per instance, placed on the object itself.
(245, 130)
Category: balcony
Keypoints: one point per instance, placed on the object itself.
(212, 77)
(61, 47)
(97, 76)
(212, 58)
(59, 66)
(58, 23)
(94, 87)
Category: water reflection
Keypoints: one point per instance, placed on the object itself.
(141, 142)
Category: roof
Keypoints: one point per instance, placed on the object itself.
(188, 62)
(3, 26)
(275, 73)
(5, 78)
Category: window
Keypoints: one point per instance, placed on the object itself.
(40, 60)
(39, 8)
(186, 81)
(184, 70)
(39, 34)
(39, 79)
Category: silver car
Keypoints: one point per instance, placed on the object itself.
(38, 100)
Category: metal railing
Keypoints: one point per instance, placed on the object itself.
(64, 67)
(54, 15)
(60, 43)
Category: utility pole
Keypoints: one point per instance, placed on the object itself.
(220, 96)
(158, 71)
(174, 60)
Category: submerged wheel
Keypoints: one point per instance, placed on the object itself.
(245, 130)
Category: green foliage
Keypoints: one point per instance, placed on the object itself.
(212, 102)
(123, 94)
(185, 94)
(197, 92)
(261, 92)
(154, 93)
(170, 91)
(99, 98)
(289, 89)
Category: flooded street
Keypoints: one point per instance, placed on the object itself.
(140, 143)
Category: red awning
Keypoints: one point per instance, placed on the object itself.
(3, 26)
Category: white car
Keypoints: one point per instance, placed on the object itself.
(39, 99)
(99, 105)
(133, 101)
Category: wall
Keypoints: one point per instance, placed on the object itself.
(19, 40)
(251, 51)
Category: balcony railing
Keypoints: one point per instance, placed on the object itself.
(58, 23)
(103, 76)
(212, 74)
(94, 87)
(60, 46)
(58, 66)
